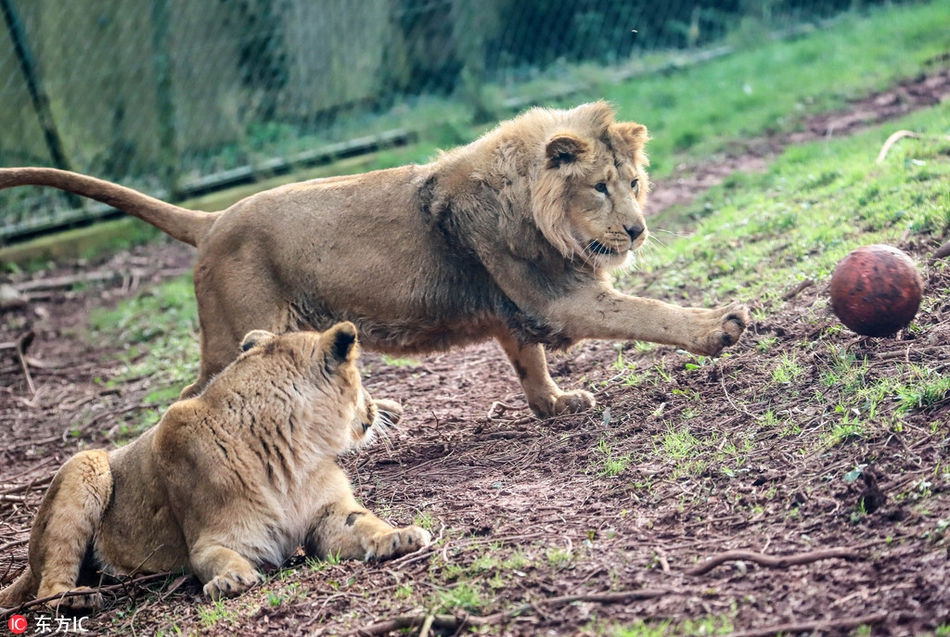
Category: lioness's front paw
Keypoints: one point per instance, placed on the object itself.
(397, 542)
(81, 598)
(232, 583)
(721, 328)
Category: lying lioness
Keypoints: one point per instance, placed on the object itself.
(241, 475)
(511, 237)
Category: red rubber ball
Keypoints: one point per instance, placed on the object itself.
(876, 290)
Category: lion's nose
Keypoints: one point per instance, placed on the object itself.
(635, 231)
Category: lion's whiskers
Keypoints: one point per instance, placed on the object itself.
(382, 426)
(675, 234)
(660, 247)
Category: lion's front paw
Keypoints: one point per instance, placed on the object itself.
(231, 583)
(573, 402)
(721, 328)
(397, 542)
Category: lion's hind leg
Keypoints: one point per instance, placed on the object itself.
(65, 526)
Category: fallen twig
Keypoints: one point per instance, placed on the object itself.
(815, 626)
(22, 344)
(66, 281)
(420, 553)
(12, 543)
(72, 431)
(124, 585)
(769, 560)
(742, 410)
(426, 626)
(942, 251)
(463, 619)
(795, 291)
(130, 279)
(498, 409)
(893, 139)
(11, 479)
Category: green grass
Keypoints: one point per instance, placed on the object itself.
(704, 108)
(696, 111)
(678, 444)
(758, 235)
(607, 463)
(711, 625)
(787, 370)
(400, 362)
(926, 389)
(462, 596)
(212, 613)
(159, 331)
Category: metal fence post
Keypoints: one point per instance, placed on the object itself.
(37, 92)
(163, 94)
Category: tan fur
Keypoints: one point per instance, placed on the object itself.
(510, 237)
(238, 476)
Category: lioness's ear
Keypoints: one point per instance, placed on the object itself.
(565, 149)
(255, 337)
(340, 344)
(629, 138)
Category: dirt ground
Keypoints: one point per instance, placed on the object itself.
(572, 545)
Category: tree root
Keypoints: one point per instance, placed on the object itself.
(460, 620)
(121, 586)
(769, 560)
(820, 626)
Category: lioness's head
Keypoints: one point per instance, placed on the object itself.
(591, 187)
(327, 362)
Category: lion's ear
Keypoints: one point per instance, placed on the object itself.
(254, 338)
(565, 149)
(629, 138)
(339, 344)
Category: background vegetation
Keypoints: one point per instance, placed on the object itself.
(177, 98)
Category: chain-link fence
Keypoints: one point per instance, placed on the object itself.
(176, 97)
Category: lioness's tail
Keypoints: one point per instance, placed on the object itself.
(180, 223)
(22, 590)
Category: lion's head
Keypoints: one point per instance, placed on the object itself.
(591, 184)
(317, 371)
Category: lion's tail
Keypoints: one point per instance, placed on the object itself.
(22, 590)
(180, 223)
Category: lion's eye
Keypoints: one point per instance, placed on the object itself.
(601, 187)
(635, 184)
